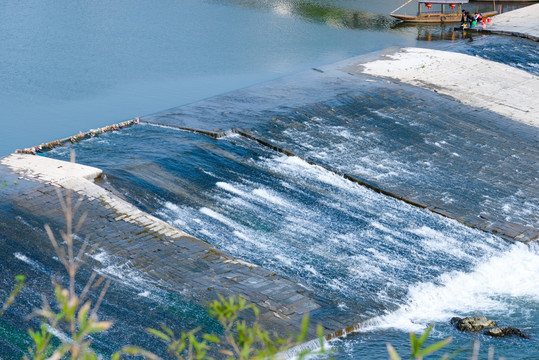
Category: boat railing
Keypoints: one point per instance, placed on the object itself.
(438, 11)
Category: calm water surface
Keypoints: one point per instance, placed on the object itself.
(71, 67)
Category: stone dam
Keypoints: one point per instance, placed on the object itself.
(456, 144)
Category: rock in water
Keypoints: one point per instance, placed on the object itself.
(505, 331)
(479, 323)
(473, 324)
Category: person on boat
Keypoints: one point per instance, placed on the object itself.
(478, 17)
(465, 19)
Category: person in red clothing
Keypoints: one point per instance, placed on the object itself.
(478, 17)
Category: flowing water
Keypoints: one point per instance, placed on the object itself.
(399, 266)
(74, 67)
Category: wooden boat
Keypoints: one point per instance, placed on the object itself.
(448, 11)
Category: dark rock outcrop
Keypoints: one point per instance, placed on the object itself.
(480, 323)
(505, 331)
(473, 323)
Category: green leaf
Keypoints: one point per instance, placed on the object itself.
(18, 287)
(211, 338)
(100, 326)
(320, 334)
(435, 347)
(255, 310)
(425, 335)
(135, 350)
(304, 328)
(167, 330)
(159, 334)
(83, 315)
(34, 335)
(414, 344)
(241, 301)
(179, 345)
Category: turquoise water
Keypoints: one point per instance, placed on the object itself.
(71, 67)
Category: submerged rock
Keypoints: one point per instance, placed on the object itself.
(479, 323)
(473, 323)
(505, 331)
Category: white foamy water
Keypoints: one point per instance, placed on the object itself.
(31, 262)
(309, 224)
(230, 188)
(121, 270)
(218, 216)
(260, 195)
(271, 197)
(145, 294)
(492, 287)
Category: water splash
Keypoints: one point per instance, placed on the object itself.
(492, 287)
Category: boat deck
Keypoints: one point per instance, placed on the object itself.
(436, 17)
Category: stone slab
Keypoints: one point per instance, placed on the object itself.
(523, 22)
(185, 265)
(509, 91)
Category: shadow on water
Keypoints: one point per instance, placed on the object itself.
(325, 13)
(434, 32)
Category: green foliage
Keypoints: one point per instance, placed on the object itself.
(415, 346)
(76, 320)
(42, 343)
(227, 311)
(73, 315)
(255, 342)
(240, 340)
(19, 283)
(251, 341)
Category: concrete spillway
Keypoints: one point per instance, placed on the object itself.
(523, 22)
(472, 81)
(183, 262)
(476, 137)
(391, 84)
